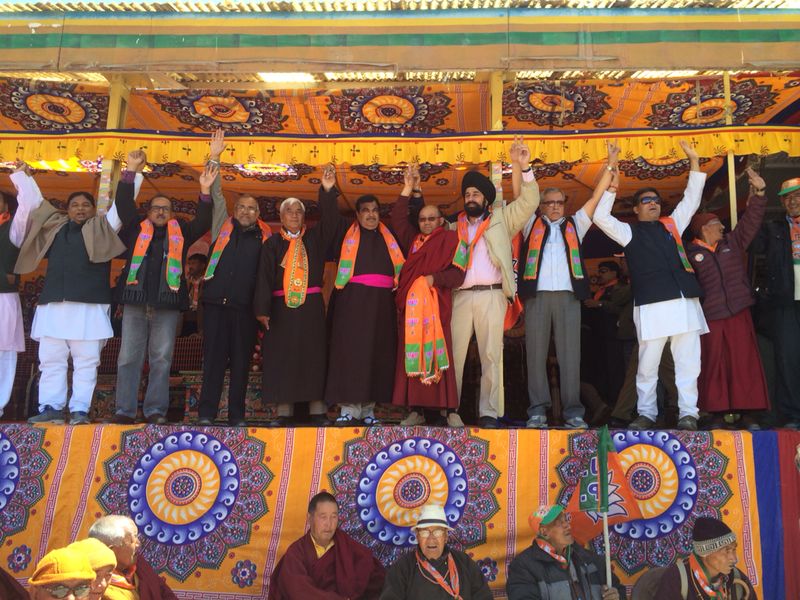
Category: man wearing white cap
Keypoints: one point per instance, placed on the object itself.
(434, 570)
(556, 567)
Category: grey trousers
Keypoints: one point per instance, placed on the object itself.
(563, 311)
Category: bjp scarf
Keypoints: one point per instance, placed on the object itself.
(699, 575)
(425, 348)
(702, 244)
(174, 253)
(124, 580)
(429, 572)
(347, 261)
(535, 249)
(563, 561)
(463, 256)
(295, 269)
(672, 228)
(795, 223)
(5, 218)
(222, 241)
(599, 293)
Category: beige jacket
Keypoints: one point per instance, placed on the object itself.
(506, 221)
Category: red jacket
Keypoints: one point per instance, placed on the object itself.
(723, 273)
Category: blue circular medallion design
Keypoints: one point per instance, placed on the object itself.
(400, 479)
(663, 478)
(183, 487)
(9, 470)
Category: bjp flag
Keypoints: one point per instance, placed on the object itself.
(515, 309)
(603, 488)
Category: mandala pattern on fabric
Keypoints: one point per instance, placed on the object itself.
(21, 482)
(675, 476)
(221, 110)
(394, 175)
(19, 559)
(272, 173)
(643, 169)
(682, 110)
(48, 106)
(545, 104)
(382, 110)
(243, 573)
(385, 478)
(488, 568)
(193, 495)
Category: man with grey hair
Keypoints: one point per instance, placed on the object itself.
(133, 578)
(288, 303)
(552, 282)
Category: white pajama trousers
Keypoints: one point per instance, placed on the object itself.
(54, 355)
(8, 368)
(686, 354)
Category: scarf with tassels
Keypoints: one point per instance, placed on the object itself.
(174, 253)
(700, 576)
(347, 261)
(222, 241)
(429, 572)
(463, 256)
(794, 222)
(672, 228)
(535, 249)
(425, 348)
(5, 218)
(295, 269)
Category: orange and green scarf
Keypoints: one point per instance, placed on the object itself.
(222, 241)
(563, 561)
(295, 270)
(701, 577)
(463, 256)
(795, 237)
(347, 261)
(174, 253)
(425, 347)
(535, 249)
(672, 228)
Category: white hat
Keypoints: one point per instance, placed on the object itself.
(432, 515)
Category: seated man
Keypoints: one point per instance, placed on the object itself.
(434, 571)
(326, 563)
(556, 567)
(102, 560)
(61, 574)
(133, 578)
(710, 571)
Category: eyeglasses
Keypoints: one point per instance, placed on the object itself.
(243, 208)
(554, 203)
(603, 270)
(160, 209)
(428, 219)
(426, 533)
(62, 591)
(649, 199)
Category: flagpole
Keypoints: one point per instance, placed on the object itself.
(607, 544)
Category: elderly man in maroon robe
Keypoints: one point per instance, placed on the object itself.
(424, 380)
(326, 563)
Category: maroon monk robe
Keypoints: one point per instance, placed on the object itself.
(435, 258)
(348, 571)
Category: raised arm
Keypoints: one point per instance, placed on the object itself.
(220, 211)
(609, 180)
(748, 226)
(201, 223)
(684, 211)
(122, 212)
(332, 225)
(398, 217)
(29, 198)
(518, 212)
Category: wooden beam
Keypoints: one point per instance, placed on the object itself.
(118, 95)
(726, 87)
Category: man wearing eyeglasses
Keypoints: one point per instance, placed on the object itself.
(553, 282)
(62, 574)
(666, 293)
(434, 570)
(229, 281)
(154, 292)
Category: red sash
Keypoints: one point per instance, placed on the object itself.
(429, 572)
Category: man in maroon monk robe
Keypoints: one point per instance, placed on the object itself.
(425, 385)
(326, 563)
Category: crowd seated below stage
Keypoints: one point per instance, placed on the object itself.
(414, 313)
(326, 564)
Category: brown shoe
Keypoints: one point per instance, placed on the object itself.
(642, 423)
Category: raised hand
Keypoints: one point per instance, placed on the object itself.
(136, 160)
(218, 144)
(417, 183)
(757, 183)
(408, 180)
(21, 165)
(688, 150)
(613, 154)
(328, 177)
(207, 177)
(520, 153)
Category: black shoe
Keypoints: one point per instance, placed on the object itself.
(488, 423)
(205, 422)
(237, 423)
(157, 419)
(615, 423)
(320, 421)
(119, 419)
(642, 423)
(79, 417)
(48, 415)
(281, 422)
(687, 423)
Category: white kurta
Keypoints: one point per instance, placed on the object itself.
(670, 317)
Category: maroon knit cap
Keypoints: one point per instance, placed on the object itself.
(698, 221)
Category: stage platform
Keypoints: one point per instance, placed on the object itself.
(217, 507)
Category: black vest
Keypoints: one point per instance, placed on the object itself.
(234, 278)
(526, 288)
(657, 273)
(8, 258)
(71, 276)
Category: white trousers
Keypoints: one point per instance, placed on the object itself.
(484, 313)
(54, 354)
(686, 354)
(8, 368)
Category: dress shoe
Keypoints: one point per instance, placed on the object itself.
(48, 415)
(79, 417)
(157, 419)
(642, 423)
(488, 423)
(687, 423)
